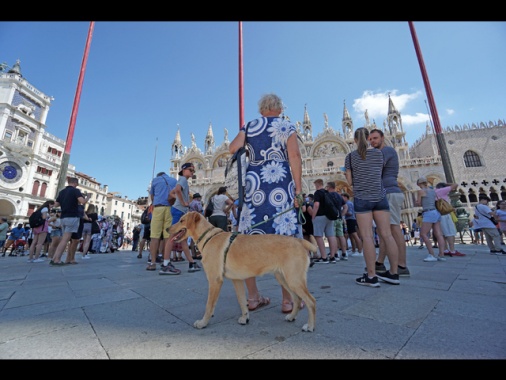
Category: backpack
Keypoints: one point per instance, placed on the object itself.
(209, 208)
(146, 215)
(36, 219)
(332, 209)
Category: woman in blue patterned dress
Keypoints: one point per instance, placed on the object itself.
(273, 179)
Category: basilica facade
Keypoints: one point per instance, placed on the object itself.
(475, 153)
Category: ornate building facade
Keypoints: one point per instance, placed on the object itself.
(31, 158)
(476, 155)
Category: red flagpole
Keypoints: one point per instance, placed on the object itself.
(445, 158)
(70, 134)
(241, 83)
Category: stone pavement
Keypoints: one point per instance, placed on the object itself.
(110, 307)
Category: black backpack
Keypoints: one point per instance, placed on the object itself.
(36, 219)
(332, 209)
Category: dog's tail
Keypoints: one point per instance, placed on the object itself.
(312, 247)
(313, 240)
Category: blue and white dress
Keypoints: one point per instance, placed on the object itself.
(270, 188)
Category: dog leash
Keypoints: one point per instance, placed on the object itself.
(300, 217)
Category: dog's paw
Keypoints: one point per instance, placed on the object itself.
(243, 320)
(290, 318)
(307, 328)
(200, 324)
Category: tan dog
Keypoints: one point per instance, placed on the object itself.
(248, 256)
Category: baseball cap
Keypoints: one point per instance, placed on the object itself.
(197, 195)
(421, 180)
(185, 166)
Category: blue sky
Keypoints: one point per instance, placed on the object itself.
(143, 80)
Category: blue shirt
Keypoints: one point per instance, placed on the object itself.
(160, 188)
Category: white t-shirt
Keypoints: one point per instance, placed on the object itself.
(480, 219)
(219, 204)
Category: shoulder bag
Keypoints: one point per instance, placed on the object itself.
(491, 218)
(443, 206)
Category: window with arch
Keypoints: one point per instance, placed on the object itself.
(35, 188)
(43, 189)
(471, 159)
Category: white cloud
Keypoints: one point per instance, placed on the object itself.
(450, 111)
(376, 105)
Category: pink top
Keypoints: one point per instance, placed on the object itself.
(443, 193)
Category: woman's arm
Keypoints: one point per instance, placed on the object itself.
(295, 159)
(237, 142)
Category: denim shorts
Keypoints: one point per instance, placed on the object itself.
(431, 216)
(363, 206)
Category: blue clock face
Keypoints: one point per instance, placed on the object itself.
(10, 172)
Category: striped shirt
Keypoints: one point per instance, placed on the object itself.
(366, 174)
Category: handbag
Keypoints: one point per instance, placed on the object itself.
(235, 173)
(443, 206)
(454, 217)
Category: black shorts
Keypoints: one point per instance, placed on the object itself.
(147, 232)
(351, 225)
(79, 234)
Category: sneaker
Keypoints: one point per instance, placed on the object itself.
(390, 278)
(344, 256)
(366, 281)
(403, 272)
(322, 261)
(29, 261)
(169, 269)
(39, 260)
(195, 266)
(357, 254)
(333, 260)
(439, 258)
(429, 258)
(457, 253)
(86, 257)
(379, 268)
(501, 252)
(448, 253)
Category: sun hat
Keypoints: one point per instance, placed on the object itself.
(197, 195)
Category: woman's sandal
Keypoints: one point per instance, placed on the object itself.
(254, 304)
(287, 307)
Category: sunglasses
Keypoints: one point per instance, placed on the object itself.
(191, 169)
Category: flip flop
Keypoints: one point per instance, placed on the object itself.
(256, 304)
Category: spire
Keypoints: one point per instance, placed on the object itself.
(391, 107)
(209, 142)
(347, 123)
(177, 146)
(306, 116)
(346, 114)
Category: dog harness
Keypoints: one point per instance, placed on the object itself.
(230, 241)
